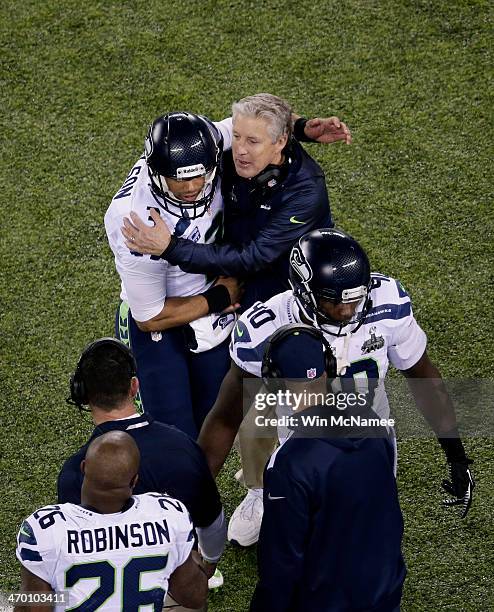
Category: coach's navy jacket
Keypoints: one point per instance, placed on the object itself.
(171, 462)
(332, 528)
(261, 225)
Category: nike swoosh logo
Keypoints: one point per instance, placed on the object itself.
(239, 333)
(274, 497)
(293, 220)
(28, 535)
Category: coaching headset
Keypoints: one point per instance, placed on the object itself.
(78, 393)
(268, 369)
(272, 176)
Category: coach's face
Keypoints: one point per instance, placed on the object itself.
(253, 147)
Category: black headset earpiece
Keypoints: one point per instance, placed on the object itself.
(78, 394)
(270, 372)
(271, 176)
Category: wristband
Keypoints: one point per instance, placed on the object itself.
(218, 298)
(298, 130)
(453, 447)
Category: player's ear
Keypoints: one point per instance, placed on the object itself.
(133, 482)
(134, 386)
(83, 467)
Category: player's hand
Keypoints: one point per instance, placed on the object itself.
(460, 486)
(235, 289)
(141, 238)
(327, 130)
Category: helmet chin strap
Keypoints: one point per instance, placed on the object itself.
(341, 355)
(341, 352)
(358, 322)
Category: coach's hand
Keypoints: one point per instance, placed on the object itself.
(141, 238)
(327, 130)
(460, 486)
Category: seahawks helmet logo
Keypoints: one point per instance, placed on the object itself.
(300, 265)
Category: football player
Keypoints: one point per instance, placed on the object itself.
(176, 323)
(114, 551)
(368, 320)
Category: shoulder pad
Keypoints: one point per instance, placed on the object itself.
(390, 301)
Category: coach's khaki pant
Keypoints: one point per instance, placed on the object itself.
(254, 450)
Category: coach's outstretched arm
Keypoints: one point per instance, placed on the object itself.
(433, 401)
(223, 421)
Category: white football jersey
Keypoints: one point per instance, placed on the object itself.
(117, 561)
(146, 280)
(390, 334)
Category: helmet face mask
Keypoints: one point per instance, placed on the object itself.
(347, 325)
(183, 208)
(329, 267)
(182, 146)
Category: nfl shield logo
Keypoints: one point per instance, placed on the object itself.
(311, 373)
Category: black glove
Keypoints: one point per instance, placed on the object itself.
(461, 485)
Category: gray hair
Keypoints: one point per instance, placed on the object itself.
(274, 110)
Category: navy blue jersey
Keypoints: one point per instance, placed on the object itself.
(332, 528)
(261, 225)
(171, 462)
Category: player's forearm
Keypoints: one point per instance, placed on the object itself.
(34, 584)
(188, 584)
(433, 401)
(216, 439)
(176, 311)
(223, 421)
(431, 395)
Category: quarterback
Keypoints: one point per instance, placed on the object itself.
(368, 321)
(166, 315)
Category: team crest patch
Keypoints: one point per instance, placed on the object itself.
(311, 373)
(224, 320)
(374, 343)
(194, 235)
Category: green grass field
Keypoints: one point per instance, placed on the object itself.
(80, 82)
